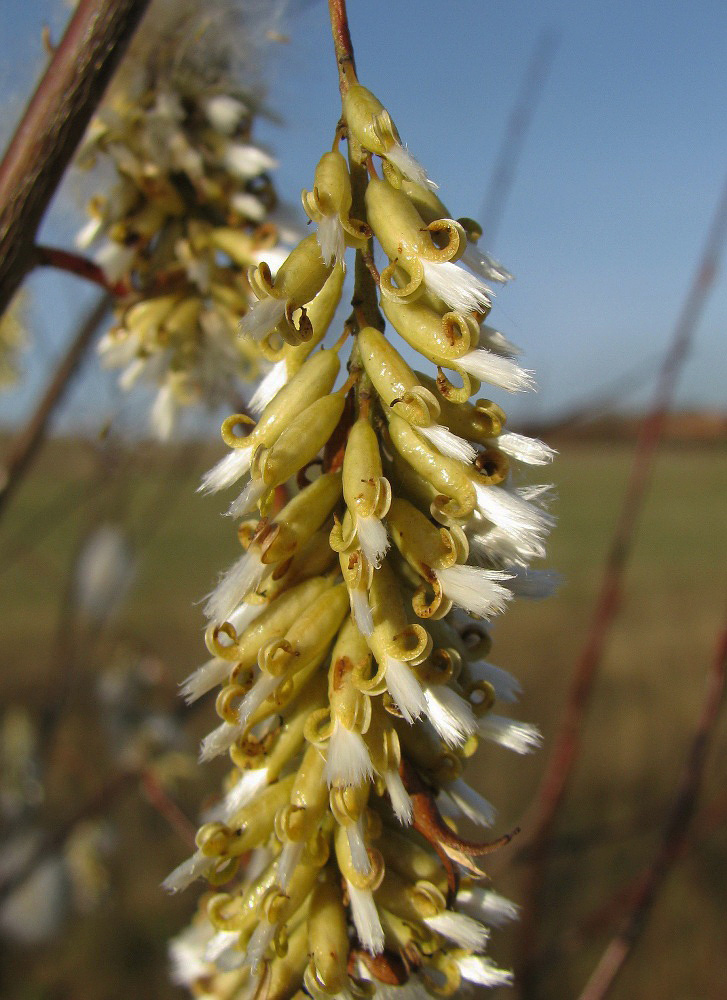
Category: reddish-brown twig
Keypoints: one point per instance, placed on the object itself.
(53, 124)
(618, 951)
(25, 446)
(82, 267)
(561, 762)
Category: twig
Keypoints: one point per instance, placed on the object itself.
(561, 762)
(618, 951)
(26, 444)
(82, 267)
(53, 124)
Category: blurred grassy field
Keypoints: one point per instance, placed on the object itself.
(645, 706)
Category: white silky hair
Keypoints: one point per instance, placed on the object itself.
(259, 943)
(497, 370)
(400, 799)
(526, 449)
(506, 686)
(262, 318)
(487, 905)
(233, 466)
(163, 413)
(183, 875)
(372, 538)
(249, 206)
(510, 733)
(247, 161)
(470, 803)
(247, 499)
(235, 584)
(497, 545)
(404, 688)
(484, 265)
(522, 520)
(361, 611)
(187, 954)
(366, 919)
(450, 714)
(218, 944)
(330, 239)
(409, 166)
(287, 862)
(269, 386)
(480, 970)
(448, 443)
(458, 927)
(357, 845)
(204, 678)
(347, 759)
(495, 340)
(462, 291)
(250, 784)
(480, 591)
(224, 112)
(222, 738)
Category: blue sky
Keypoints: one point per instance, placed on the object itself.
(615, 189)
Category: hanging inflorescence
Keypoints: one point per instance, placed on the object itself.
(353, 687)
(189, 210)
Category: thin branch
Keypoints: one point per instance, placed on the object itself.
(675, 834)
(564, 755)
(82, 267)
(53, 125)
(27, 443)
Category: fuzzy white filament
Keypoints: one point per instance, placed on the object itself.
(463, 930)
(220, 944)
(450, 714)
(204, 678)
(497, 370)
(521, 520)
(487, 905)
(262, 318)
(187, 954)
(357, 845)
(518, 736)
(448, 443)
(400, 799)
(479, 591)
(288, 862)
(330, 239)
(496, 341)
(258, 944)
(480, 970)
(484, 265)
(163, 413)
(462, 291)
(222, 738)
(409, 166)
(269, 386)
(235, 584)
(251, 783)
(224, 112)
(525, 449)
(366, 919)
(186, 873)
(361, 610)
(227, 471)
(372, 538)
(507, 687)
(246, 161)
(473, 805)
(347, 759)
(247, 499)
(404, 688)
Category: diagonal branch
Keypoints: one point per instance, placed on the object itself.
(617, 952)
(53, 124)
(564, 755)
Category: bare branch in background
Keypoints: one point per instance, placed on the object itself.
(566, 748)
(27, 443)
(618, 951)
(53, 125)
